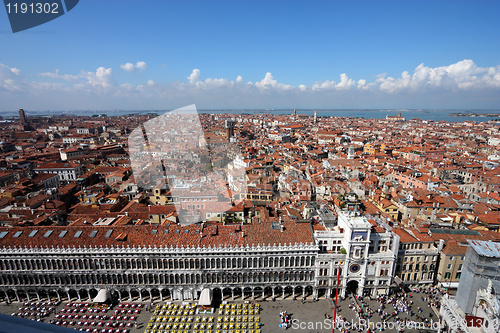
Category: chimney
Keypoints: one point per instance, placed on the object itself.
(282, 228)
(441, 244)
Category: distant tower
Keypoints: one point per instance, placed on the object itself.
(24, 121)
(22, 117)
(315, 116)
(229, 124)
(350, 153)
(294, 112)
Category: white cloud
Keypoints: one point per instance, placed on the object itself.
(130, 67)
(461, 76)
(195, 76)
(269, 82)
(102, 78)
(141, 65)
(56, 75)
(462, 84)
(345, 82)
(10, 79)
(326, 85)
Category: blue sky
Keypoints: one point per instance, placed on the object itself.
(255, 54)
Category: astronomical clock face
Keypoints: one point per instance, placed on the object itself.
(355, 268)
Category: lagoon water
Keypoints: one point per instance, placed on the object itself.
(433, 115)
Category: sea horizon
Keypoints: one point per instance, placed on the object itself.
(372, 113)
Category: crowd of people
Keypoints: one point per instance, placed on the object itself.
(393, 308)
(285, 320)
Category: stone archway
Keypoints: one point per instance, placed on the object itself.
(352, 287)
(226, 293)
(217, 295)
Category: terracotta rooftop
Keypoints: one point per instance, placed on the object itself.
(211, 234)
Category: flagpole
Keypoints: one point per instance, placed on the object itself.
(336, 298)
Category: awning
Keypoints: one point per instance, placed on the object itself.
(397, 281)
(102, 296)
(381, 291)
(205, 297)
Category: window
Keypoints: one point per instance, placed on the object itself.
(449, 266)
(93, 233)
(17, 234)
(154, 231)
(447, 275)
(33, 233)
(108, 233)
(3, 234)
(458, 275)
(63, 233)
(48, 233)
(77, 234)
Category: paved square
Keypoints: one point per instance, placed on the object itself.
(310, 316)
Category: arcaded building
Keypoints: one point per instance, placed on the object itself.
(260, 260)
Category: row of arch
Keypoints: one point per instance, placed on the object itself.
(155, 279)
(163, 294)
(156, 263)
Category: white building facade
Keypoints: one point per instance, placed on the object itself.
(364, 253)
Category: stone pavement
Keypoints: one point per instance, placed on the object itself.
(308, 317)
